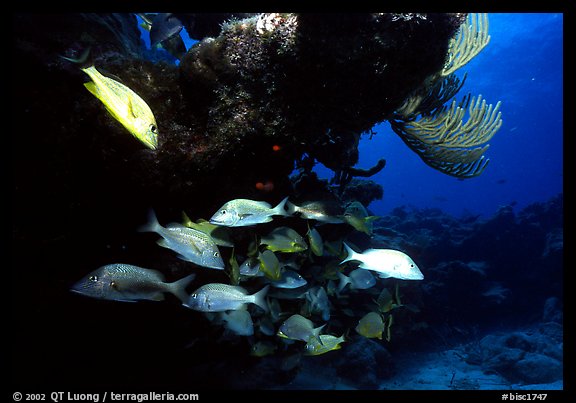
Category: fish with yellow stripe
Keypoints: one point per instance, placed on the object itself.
(125, 106)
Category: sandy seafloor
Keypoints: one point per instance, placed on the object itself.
(440, 370)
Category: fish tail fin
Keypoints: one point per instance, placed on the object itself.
(280, 208)
(291, 208)
(84, 60)
(344, 280)
(178, 287)
(152, 225)
(351, 253)
(259, 298)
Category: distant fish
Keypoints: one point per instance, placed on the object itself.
(165, 34)
(387, 302)
(125, 282)
(251, 268)
(270, 265)
(297, 327)
(245, 212)
(289, 279)
(317, 302)
(358, 279)
(234, 272)
(315, 240)
(217, 233)
(263, 348)
(388, 325)
(371, 326)
(357, 216)
(239, 322)
(323, 344)
(324, 211)
(163, 27)
(284, 239)
(191, 245)
(217, 297)
(386, 262)
(125, 106)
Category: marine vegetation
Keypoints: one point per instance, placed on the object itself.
(438, 133)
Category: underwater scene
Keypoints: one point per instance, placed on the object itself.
(287, 201)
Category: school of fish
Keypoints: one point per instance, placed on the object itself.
(281, 284)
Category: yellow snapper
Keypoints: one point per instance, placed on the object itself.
(357, 216)
(315, 240)
(323, 344)
(387, 302)
(270, 265)
(371, 326)
(284, 239)
(128, 283)
(386, 262)
(217, 233)
(234, 272)
(125, 106)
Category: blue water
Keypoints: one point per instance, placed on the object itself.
(522, 67)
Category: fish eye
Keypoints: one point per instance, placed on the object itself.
(223, 212)
(153, 128)
(216, 254)
(93, 278)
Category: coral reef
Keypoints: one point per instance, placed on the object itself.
(529, 356)
(362, 354)
(245, 103)
(501, 261)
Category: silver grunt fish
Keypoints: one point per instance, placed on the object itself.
(386, 262)
(245, 212)
(128, 283)
(191, 245)
(218, 297)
